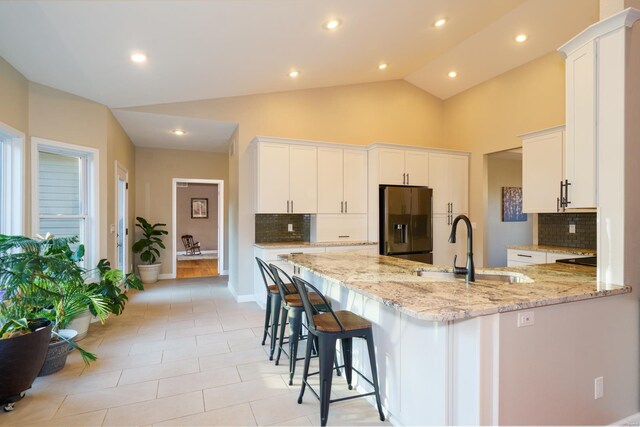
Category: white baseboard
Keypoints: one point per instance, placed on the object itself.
(166, 276)
(631, 420)
(224, 272)
(246, 298)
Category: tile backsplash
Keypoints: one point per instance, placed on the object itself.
(553, 230)
(272, 228)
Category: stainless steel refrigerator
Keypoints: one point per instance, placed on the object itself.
(405, 222)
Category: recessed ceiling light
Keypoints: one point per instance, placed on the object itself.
(332, 24)
(521, 38)
(178, 132)
(138, 57)
(382, 66)
(294, 73)
(440, 22)
(453, 74)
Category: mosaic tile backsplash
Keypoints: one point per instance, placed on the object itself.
(553, 230)
(272, 228)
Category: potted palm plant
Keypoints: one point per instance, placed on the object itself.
(42, 278)
(149, 249)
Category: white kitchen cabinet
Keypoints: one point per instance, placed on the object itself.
(342, 181)
(339, 227)
(286, 178)
(403, 167)
(443, 251)
(449, 178)
(542, 170)
(518, 258)
(581, 136)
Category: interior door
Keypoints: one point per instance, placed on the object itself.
(331, 181)
(417, 167)
(355, 181)
(122, 187)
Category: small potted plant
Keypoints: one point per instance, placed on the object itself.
(149, 249)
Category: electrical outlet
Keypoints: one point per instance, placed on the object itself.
(598, 385)
(526, 319)
(290, 228)
(572, 228)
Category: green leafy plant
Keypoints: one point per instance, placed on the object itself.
(42, 278)
(150, 244)
(109, 286)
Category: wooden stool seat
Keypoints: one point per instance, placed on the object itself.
(294, 300)
(274, 288)
(325, 322)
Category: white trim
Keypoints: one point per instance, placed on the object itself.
(125, 241)
(166, 276)
(246, 298)
(174, 225)
(631, 420)
(625, 18)
(12, 199)
(224, 272)
(375, 145)
(92, 223)
(278, 140)
(541, 132)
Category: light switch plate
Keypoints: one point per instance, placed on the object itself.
(526, 318)
(290, 228)
(598, 388)
(572, 228)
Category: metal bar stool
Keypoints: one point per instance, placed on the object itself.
(328, 328)
(272, 309)
(292, 310)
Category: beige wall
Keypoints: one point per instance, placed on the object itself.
(503, 173)
(203, 230)
(14, 98)
(392, 111)
(490, 116)
(155, 170)
(120, 149)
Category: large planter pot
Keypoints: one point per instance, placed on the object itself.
(57, 353)
(81, 324)
(21, 358)
(149, 272)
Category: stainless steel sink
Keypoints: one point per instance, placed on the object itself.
(505, 277)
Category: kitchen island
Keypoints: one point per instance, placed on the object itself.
(456, 353)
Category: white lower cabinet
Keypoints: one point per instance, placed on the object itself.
(519, 258)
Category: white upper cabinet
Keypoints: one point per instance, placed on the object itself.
(403, 167)
(542, 170)
(342, 181)
(391, 167)
(286, 178)
(355, 181)
(449, 178)
(416, 166)
(580, 148)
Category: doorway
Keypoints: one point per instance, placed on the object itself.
(122, 208)
(198, 240)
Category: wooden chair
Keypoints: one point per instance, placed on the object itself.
(191, 247)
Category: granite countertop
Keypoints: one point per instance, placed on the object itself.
(554, 249)
(395, 283)
(311, 244)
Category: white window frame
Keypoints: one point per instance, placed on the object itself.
(90, 188)
(12, 170)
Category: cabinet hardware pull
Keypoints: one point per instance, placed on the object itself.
(292, 206)
(287, 206)
(407, 179)
(404, 178)
(524, 256)
(346, 207)
(342, 207)
(296, 253)
(566, 193)
(557, 204)
(342, 237)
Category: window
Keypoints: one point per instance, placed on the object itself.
(64, 196)
(11, 180)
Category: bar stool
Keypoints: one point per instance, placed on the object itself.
(328, 328)
(272, 309)
(292, 310)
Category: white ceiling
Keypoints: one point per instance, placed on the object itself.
(220, 48)
(155, 130)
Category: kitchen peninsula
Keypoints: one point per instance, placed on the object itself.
(457, 353)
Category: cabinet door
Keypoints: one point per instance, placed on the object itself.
(391, 167)
(303, 179)
(580, 148)
(443, 251)
(416, 165)
(542, 162)
(355, 181)
(459, 183)
(273, 178)
(330, 180)
(439, 182)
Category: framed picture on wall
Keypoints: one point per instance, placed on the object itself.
(512, 205)
(199, 208)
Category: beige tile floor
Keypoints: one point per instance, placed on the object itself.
(183, 353)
